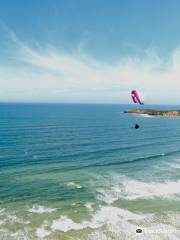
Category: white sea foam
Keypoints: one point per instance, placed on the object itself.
(120, 223)
(98, 235)
(73, 185)
(107, 215)
(65, 224)
(26, 222)
(4, 230)
(108, 195)
(146, 115)
(12, 218)
(89, 206)
(134, 189)
(18, 235)
(2, 210)
(114, 223)
(41, 209)
(174, 164)
(42, 232)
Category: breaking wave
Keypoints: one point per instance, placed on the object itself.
(133, 189)
(117, 222)
(40, 209)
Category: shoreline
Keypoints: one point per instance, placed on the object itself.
(152, 112)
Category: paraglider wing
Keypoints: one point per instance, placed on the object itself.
(135, 97)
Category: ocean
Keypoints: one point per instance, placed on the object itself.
(81, 172)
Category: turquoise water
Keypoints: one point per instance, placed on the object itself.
(81, 172)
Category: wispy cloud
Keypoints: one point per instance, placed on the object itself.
(46, 74)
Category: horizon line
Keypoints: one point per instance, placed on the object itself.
(83, 103)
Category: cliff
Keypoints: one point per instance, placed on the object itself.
(166, 113)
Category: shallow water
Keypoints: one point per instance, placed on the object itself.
(81, 172)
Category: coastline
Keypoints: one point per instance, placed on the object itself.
(152, 112)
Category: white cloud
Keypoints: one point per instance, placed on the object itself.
(47, 74)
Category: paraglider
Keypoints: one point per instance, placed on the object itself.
(135, 97)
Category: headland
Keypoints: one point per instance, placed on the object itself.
(152, 112)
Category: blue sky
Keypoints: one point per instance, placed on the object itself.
(89, 51)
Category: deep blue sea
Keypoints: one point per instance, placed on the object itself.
(81, 172)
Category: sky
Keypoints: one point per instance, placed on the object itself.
(81, 51)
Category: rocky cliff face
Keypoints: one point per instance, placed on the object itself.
(168, 113)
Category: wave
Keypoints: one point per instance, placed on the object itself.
(108, 222)
(41, 157)
(2, 210)
(119, 223)
(146, 115)
(89, 205)
(131, 189)
(106, 215)
(9, 219)
(41, 232)
(40, 209)
(88, 164)
(73, 185)
(139, 159)
(174, 164)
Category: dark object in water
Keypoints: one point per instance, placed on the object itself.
(136, 126)
(138, 230)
